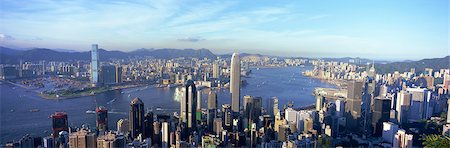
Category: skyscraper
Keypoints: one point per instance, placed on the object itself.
(212, 109)
(108, 74)
(353, 104)
(123, 126)
(102, 119)
(235, 80)
(118, 74)
(94, 64)
(189, 107)
(136, 117)
(216, 70)
(402, 106)
(227, 117)
(165, 135)
(148, 125)
(272, 107)
(381, 112)
(60, 123)
(319, 102)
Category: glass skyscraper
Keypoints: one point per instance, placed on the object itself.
(94, 64)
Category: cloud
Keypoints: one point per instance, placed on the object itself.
(316, 17)
(191, 39)
(5, 37)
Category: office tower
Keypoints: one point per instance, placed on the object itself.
(291, 115)
(123, 126)
(165, 135)
(60, 123)
(319, 102)
(217, 126)
(353, 105)
(257, 107)
(380, 114)
(108, 74)
(118, 74)
(94, 64)
(340, 108)
(235, 80)
(448, 111)
(111, 140)
(156, 141)
(389, 131)
(198, 110)
(402, 140)
(48, 142)
(248, 110)
(420, 104)
(136, 117)
(308, 124)
(216, 70)
(102, 119)
(446, 127)
(212, 109)
(189, 108)
(148, 125)
(402, 106)
(82, 139)
(272, 107)
(227, 117)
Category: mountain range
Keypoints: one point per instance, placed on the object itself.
(13, 56)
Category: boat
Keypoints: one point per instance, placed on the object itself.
(90, 112)
(34, 110)
(159, 109)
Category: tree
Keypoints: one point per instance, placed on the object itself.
(436, 141)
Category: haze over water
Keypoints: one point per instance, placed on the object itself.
(286, 83)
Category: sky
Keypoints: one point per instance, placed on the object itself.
(379, 29)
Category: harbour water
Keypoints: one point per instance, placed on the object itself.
(23, 112)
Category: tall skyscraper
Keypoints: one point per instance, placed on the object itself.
(319, 102)
(272, 107)
(102, 119)
(123, 126)
(402, 106)
(189, 108)
(136, 117)
(212, 109)
(227, 117)
(94, 64)
(148, 125)
(60, 123)
(216, 70)
(118, 74)
(381, 112)
(165, 135)
(108, 74)
(353, 104)
(235, 80)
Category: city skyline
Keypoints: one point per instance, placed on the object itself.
(331, 29)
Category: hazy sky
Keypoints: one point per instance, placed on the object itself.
(391, 29)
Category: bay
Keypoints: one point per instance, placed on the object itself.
(285, 83)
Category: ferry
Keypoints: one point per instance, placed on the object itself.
(90, 112)
(34, 110)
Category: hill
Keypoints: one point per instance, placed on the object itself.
(13, 56)
(434, 63)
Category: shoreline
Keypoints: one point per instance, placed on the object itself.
(81, 94)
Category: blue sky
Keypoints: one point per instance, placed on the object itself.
(393, 30)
